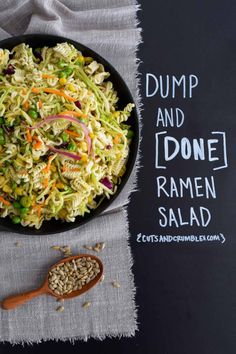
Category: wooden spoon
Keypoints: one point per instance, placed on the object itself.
(12, 302)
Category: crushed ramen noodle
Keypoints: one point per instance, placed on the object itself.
(63, 143)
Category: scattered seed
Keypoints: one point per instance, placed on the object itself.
(60, 309)
(65, 250)
(98, 247)
(102, 278)
(116, 284)
(56, 248)
(17, 244)
(88, 247)
(102, 245)
(86, 305)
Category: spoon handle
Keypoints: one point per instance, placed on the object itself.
(13, 301)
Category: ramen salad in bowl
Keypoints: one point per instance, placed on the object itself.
(63, 143)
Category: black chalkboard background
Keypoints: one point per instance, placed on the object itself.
(186, 292)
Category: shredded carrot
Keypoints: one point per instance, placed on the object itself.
(47, 76)
(47, 168)
(35, 90)
(54, 185)
(78, 114)
(55, 92)
(72, 133)
(40, 104)
(38, 144)
(38, 207)
(59, 93)
(64, 168)
(35, 138)
(23, 92)
(75, 169)
(39, 211)
(28, 136)
(45, 182)
(4, 201)
(26, 105)
(117, 138)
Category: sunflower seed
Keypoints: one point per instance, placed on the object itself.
(88, 247)
(86, 305)
(56, 248)
(68, 276)
(116, 284)
(60, 309)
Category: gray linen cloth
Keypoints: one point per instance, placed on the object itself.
(110, 28)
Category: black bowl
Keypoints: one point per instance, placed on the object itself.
(55, 226)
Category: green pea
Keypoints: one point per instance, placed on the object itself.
(32, 113)
(24, 211)
(130, 134)
(71, 146)
(62, 74)
(14, 185)
(1, 120)
(25, 202)
(1, 131)
(16, 220)
(65, 137)
(17, 121)
(2, 140)
(17, 205)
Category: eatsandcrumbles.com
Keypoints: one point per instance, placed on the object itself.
(141, 238)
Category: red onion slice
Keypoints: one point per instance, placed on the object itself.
(106, 182)
(65, 153)
(69, 118)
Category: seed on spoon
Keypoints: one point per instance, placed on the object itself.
(72, 275)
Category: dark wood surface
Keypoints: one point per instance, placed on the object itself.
(186, 292)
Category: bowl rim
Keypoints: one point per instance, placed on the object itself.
(5, 224)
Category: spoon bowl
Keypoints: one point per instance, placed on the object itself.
(14, 301)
